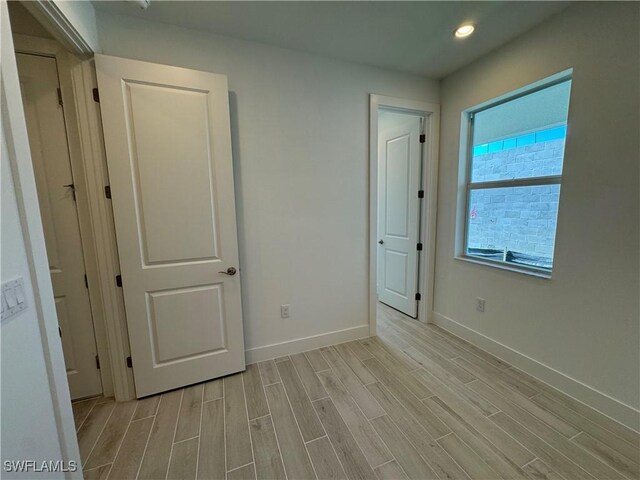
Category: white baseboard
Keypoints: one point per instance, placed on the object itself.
(268, 352)
(609, 406)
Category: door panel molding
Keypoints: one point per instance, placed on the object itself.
(431, 112)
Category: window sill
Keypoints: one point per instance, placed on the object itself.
(503, 266)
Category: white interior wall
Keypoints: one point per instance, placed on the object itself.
(81, 17)
(37, 421)
(579, 330)
(300, 140)
(29, 429)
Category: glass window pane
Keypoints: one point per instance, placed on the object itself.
(514, 225)
(521, 138)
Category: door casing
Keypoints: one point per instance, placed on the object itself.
(431, 112)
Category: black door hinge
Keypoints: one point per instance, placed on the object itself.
(119, 280)
(418, 296)
(129, 362)
(107, 191)
(86, 281)
(59, 97)
(423, 138)
(420, 193)
(419, 247)
(96, 95)
(97, 362)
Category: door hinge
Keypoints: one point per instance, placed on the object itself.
(107, 191)
(59, 97)
(97, 362)
(86, 281)
(96, 95)
(420, 193)
(423, 138)
(129, 362)
(419, 247)
(418, 296)
(119, 280)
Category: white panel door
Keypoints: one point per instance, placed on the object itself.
(398, 217)
(168, 147)
(54, 181)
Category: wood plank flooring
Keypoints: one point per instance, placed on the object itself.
(413, 403)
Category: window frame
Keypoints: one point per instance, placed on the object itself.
(466, 149)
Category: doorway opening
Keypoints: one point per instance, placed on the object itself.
(55, 90)
(402, 185)
(42, 63)
(57, 198)
(400, 194)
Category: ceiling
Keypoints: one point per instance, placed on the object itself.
(414, 37)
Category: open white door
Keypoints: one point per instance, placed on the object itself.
(168, 148)
(399, 157)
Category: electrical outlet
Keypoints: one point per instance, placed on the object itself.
(285, 311)
(480, 304)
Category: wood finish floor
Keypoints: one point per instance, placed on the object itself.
(415, 402)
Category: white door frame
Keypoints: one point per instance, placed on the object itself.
(89, 123)
(431, 112)
(15, 128)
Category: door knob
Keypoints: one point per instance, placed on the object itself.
(381, 242)
(230, 271)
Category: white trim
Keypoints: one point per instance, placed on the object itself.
(64, 60)
(615, 409)
(431, 112)
(15, 128)
(510, 267)
(37, 45)
(299, 345)
(101, 217)
(56, 22)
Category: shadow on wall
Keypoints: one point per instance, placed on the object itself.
(237, 181)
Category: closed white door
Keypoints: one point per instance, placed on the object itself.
(399, 170)
(54, 181)
(168, 147)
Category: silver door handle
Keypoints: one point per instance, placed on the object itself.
(230, 271)
(381, 242)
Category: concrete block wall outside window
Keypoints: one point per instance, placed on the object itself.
(520, 219)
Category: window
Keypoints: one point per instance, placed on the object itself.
(514, 177)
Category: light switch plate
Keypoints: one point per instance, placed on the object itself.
(14, 299)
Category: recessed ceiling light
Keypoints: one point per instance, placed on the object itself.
(464, 30)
